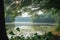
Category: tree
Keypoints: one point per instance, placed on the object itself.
(3, 35)
(12, 7)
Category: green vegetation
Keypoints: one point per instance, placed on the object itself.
(58, 25)
(48, 36)
(11, 32)
(50, 9)
(17, 29)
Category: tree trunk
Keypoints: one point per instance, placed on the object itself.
(3, 34)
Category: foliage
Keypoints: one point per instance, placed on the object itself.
(11, 32)
(58, 25)
(42, 4)
(35, 36)
(17, 29)
(11, 7)
(48, 36)
(44, 18)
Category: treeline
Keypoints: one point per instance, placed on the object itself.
(45, 18)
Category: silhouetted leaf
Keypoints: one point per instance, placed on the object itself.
(11, 32)
(17, 29)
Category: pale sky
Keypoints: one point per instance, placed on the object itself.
(40, 12)
(25, 14)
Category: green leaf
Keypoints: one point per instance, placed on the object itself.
(11, 32)
(17, 29)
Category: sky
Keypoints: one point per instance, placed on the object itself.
(25, 14)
